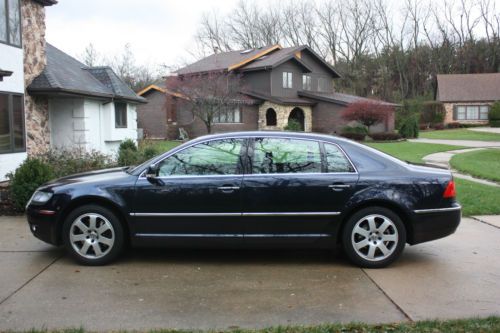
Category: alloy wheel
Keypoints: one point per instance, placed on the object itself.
(374, 237)
(92, 235)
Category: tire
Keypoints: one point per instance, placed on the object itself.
(93, 235)
(373, 237)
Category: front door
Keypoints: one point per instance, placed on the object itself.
(195, 196)
(296, 190)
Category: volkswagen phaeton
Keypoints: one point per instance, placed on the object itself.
(251, 189)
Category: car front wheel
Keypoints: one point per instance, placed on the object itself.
(93, 235)
(374, 237)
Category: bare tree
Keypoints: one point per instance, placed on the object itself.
(90, 56)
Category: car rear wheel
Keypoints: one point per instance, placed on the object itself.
(374, 237)
(93, 235)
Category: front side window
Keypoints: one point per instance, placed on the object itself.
(230, 115)
(336, 161)
(306, 82)
(120, 115)
(11, 123)
(10, 22)
(471, 112)
(277, 155)
(218, 157)
(287, 80)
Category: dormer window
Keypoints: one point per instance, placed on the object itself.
(10, 22)
(287, 80)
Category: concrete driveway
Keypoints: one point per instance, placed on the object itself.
(458, 276)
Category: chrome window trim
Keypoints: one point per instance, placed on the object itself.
(234, 235)
(236, 214)
(168, 154)
(437, 210)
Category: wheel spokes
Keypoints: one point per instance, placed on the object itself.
(92, 235)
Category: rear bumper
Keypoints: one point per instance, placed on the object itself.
(43, 225)
(430, 224)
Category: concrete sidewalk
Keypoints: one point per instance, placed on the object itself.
(458, 276)
(464, 143)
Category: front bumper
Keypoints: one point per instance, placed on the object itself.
(430, 224)
(43, 224)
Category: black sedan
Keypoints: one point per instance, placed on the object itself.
(251, 189)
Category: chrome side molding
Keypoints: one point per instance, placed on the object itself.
(437, 210)
(237, 214)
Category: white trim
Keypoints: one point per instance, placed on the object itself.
(437, 210)
(235, 235)
(237, 214)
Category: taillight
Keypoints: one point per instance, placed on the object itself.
(450, 191)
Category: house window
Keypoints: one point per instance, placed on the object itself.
(230, 115)
(10, 22)
(306, 82)
(120, 115)
(471, 112)
(287, 80)
(11, 123)
(270, 117)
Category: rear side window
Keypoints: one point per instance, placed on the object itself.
(218, 157)
(336, 161)
(281, 155)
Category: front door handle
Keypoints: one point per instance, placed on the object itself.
(228, 189)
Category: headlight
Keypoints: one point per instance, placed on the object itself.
(40, 197)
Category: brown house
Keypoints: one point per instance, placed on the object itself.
(280, 84)
(467, 98)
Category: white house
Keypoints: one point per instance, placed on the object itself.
(89, 107)
(22, 56)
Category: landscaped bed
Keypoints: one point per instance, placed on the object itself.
(460, 134)
(483, 325)
(480, 163)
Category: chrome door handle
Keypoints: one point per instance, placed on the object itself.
(339, 186)
(228, 188)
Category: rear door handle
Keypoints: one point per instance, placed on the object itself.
(228, 189)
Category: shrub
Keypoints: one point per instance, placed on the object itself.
(32, 173)
(432, 112)
(368, 113)
(355, 129)
(453, 125)
(409, 127)
(423, 127)
(410, 108)
(494, 114)
(66, 162)
(354, 136)
(386, 136)
(293, 126)
(128, 153)
(438, 127)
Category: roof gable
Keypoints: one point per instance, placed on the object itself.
(468, 87)
(65, 74)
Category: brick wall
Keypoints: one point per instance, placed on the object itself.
(152, 117)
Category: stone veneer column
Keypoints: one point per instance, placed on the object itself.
(36, 108)
(282, 114)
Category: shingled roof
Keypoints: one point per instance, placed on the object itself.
(46, 2)
(252, 59)
(340, 98)
(468, 87)
(66, 75)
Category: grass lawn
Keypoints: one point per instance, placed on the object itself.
(481, 163)
(477, 199)
(460, 134)
(483, 325)
(411, 151)
(161, 146)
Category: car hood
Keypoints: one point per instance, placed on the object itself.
(104, 175)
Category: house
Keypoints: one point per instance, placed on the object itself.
(279, 83)
(467, 98)
(22, 57)
(89, 108)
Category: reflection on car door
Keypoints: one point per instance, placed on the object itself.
(197, 195)
(291, 194)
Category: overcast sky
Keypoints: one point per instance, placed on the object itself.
(159, 31)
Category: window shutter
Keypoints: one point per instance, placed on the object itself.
(455, 111)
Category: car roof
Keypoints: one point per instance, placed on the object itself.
(298, 135)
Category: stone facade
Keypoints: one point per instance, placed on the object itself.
(282, 114)
(448, 116)
(36, 109)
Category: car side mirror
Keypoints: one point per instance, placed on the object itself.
(152, 172)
